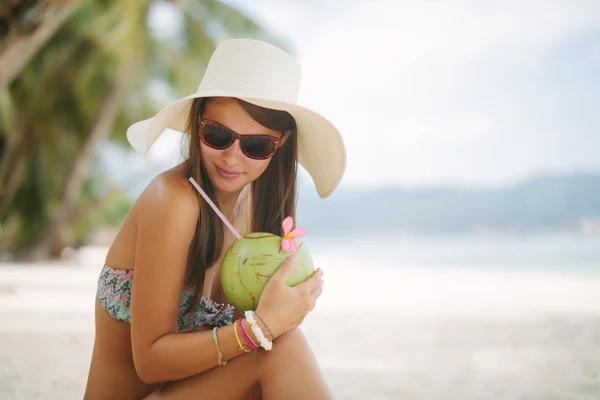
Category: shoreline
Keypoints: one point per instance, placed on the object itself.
(382, 332)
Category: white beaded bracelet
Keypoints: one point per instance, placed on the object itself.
(264, 342)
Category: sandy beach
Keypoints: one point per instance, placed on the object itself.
(379, 331)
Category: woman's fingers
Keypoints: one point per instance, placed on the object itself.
(317, 292)
(314, 296)
(312, 283)
(287, 306)
(286, 268)
(312, 289)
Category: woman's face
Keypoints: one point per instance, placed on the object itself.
(230, 170)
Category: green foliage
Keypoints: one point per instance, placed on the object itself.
(57, 99)
(94, 211)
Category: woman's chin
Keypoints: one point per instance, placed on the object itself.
(228, 186)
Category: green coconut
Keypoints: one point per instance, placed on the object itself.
(251, 261)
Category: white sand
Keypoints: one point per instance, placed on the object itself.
(380, 332)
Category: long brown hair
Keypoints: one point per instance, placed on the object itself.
(273, 194)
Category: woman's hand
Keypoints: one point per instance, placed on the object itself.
(282, 307)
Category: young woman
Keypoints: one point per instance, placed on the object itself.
(163, 326)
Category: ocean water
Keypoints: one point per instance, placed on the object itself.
(552, 252)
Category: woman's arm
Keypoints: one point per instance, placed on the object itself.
(177, 356)
(167, 215)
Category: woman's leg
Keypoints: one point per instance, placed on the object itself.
(288, 371)
(293, 372)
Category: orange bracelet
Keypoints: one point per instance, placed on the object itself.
(237, 337)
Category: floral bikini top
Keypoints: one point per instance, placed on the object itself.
(114, 293)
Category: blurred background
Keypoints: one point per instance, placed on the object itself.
(462, 249)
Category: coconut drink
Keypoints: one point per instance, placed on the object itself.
(253, 259)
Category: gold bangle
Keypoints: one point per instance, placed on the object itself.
(220, 361)
(237, 337)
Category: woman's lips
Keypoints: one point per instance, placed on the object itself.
(228, 174)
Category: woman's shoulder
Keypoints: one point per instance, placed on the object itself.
(170, 193)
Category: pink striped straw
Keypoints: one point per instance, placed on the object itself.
(214, 207)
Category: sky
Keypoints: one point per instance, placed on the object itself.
(468, 93)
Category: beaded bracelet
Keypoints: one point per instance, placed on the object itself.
(264, 342)
(247, 337)
(246, 349)
(220, 361)
(250, 342)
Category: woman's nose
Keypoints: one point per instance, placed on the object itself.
(234, 151)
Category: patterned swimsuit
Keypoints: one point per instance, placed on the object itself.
(114, 293)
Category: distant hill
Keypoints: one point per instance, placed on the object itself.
(550, 202)
(546, 203)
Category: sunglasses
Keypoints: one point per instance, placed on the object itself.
(256, 147)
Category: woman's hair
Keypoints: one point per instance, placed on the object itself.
(273, 194)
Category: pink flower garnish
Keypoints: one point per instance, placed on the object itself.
(288, 243)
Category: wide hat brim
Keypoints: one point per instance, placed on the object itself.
(321, 149)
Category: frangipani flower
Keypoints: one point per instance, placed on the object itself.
(288, 243)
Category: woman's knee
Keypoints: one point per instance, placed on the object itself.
(286, 347)
(291, 339)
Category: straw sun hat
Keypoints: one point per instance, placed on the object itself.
(266, 76)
